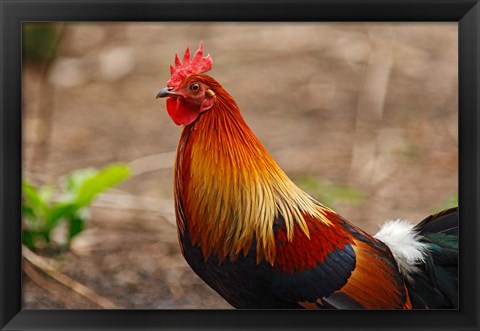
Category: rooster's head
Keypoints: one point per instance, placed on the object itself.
(188, 93)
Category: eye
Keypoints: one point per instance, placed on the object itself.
(195, 87)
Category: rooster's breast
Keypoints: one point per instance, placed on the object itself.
(242, 282)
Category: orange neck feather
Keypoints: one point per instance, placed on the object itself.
(230, 189)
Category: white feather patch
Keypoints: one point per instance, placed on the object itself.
(405, 244)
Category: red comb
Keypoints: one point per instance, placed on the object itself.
(197, 65)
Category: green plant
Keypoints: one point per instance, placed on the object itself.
(45, 209)
(449, 203)
(40, 41)
(328, 193)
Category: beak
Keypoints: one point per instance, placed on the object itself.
(166, 92)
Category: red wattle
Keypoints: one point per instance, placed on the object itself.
(180, 112)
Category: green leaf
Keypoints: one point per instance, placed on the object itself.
(34, 207)
(76, 225)
(28, 212)
(28, 239)
(100, 182)
(46, 193)
(59, 211)
(77, 178)
(33, 198)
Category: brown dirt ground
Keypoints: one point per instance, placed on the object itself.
(373, 106)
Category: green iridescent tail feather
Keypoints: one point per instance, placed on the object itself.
(437, 285)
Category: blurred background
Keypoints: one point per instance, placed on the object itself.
(362, 116)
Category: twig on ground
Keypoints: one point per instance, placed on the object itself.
(44, 283)
(47, 267)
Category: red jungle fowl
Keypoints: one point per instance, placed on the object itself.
(261, 242)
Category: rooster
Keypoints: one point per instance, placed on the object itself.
(261, 242)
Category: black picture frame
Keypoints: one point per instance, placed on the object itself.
(14, 12)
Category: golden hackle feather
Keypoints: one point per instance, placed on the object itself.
(232, 190)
